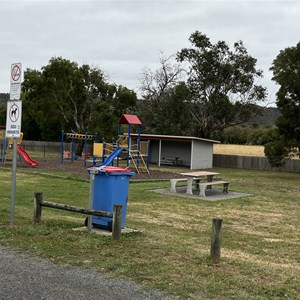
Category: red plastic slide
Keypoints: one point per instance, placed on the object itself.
(25, 156)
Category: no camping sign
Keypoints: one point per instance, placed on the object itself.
(15, 81)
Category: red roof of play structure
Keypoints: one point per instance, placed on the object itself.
(130, 119)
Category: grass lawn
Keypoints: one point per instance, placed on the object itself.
(260, 256)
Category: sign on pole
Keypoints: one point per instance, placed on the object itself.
(13, 125)
(13, 119)
(15, 81)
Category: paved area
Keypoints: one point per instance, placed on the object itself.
(24, 277)
(214, 195)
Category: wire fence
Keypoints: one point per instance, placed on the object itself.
(42, 149)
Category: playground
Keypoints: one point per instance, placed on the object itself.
(170, 249)
(7, 145)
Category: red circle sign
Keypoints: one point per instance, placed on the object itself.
(15, 73)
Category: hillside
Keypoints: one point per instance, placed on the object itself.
(268, 116)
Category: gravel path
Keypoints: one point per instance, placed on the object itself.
(24, 277)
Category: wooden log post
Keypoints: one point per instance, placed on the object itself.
(117, 222)
(37, 212)
(215, 250)
(77, 209)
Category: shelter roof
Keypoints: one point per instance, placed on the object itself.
(173, 138)
(129, 119)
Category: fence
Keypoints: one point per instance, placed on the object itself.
(219, 160)
(253, 162)
(116, 215)
(47, 149)
(43, 148)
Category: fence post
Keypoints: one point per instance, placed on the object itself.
(215, 250)
(37, 212)
(117, 220)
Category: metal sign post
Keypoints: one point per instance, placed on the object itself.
(13, 126)
(13, 184)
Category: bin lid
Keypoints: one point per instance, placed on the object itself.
(111, 169)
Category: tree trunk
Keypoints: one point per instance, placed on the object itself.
(80, 147)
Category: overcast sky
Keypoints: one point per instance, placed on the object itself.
(123, 37)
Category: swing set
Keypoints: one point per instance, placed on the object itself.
(71, 152)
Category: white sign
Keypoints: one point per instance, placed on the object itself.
(15, 81)
(13, 119)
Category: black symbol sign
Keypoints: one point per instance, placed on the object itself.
(15, 73)
(14, 113)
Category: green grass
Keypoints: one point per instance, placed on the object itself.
(260, 257)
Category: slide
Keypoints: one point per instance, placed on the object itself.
(25, 156)
(111, 157)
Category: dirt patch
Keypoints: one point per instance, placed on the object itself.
(77, 168)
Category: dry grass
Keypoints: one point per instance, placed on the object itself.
(243, 150)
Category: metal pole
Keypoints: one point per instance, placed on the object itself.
(13, 183)
(91, 198)
(62, 146)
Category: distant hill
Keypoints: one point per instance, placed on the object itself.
(268, 116)
(4, 97)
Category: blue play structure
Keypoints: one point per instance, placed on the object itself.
(111, 157)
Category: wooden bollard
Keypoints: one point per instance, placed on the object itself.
(215, 250)
(117, 222)
(37, 212)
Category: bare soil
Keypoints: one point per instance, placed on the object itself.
(77, 168)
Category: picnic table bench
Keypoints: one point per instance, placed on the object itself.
(207, 185)
(194, 178)
(174, 182)
(171, 160)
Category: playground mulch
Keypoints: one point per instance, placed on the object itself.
(77, 168)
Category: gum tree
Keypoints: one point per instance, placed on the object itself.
(221, 82)
(163, 105)
(64, 95)
(286, 73)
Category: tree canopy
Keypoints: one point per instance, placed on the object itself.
(221, 83)
(64, 95)
(286, 73)
(163, 109)
(200, 91)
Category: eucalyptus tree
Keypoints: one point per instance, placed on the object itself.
(221, 83)
(164, 95)
(64, 95)
(286, 73)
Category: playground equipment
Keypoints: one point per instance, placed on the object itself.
(21, 152)
(70, 154)
(106, 153)
(134, 153)
(123, 146)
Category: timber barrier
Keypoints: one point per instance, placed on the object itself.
(116, 215)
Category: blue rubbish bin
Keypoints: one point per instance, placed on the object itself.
(110, 187)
